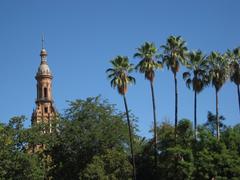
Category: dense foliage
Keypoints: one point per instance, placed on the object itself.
(90, 141)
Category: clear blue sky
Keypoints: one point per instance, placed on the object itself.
(83, 35)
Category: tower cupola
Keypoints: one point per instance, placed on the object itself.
(43, 69)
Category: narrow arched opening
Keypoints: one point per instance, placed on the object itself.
(45, 92)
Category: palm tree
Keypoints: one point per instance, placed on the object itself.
(218, 71)
(120, 78)
(147, 65)
(174, 54)
(234, 60)
(196, 78)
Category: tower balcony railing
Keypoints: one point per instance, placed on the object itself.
(44, 99)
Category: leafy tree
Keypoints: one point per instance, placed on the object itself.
(110, 165)
(231, 138)
(212, 125)
(196, 78)
(218, 71)
(204, 167)
(213, 159)
(177, 160)
(145, 161)
(174, 54)
(165, 135)
(185, 132)
(147, 66)
(120, 78)
(89, 131)
(15, 161)
(177, 163)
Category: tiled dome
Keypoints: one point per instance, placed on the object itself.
(44, 69)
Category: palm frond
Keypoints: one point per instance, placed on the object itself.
(186, 75)
(174, 53)
(219, 69)
(188, 83)
(119, 73)
(147, 64)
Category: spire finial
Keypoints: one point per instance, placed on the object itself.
(43, 53)
(43, 39)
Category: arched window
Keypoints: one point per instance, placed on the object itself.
(37, 91)
(40, 91)
(45, 92)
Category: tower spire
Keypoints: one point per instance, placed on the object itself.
(43, 40)
(43, 52)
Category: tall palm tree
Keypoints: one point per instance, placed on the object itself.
(120, 78)
(196, 78)
(218, 71)
(234, 60)
(174, 54)
(147, 65)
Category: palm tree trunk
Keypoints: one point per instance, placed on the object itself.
(130, 137)
(195, 114)
(155, 124)
(217, 118)
(176, 107)
(238, 91)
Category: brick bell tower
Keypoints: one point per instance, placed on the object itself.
(45, 110)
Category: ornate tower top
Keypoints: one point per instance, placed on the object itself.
(43, 69)
(45, 110)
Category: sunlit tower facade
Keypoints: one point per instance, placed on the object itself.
(45, 111)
